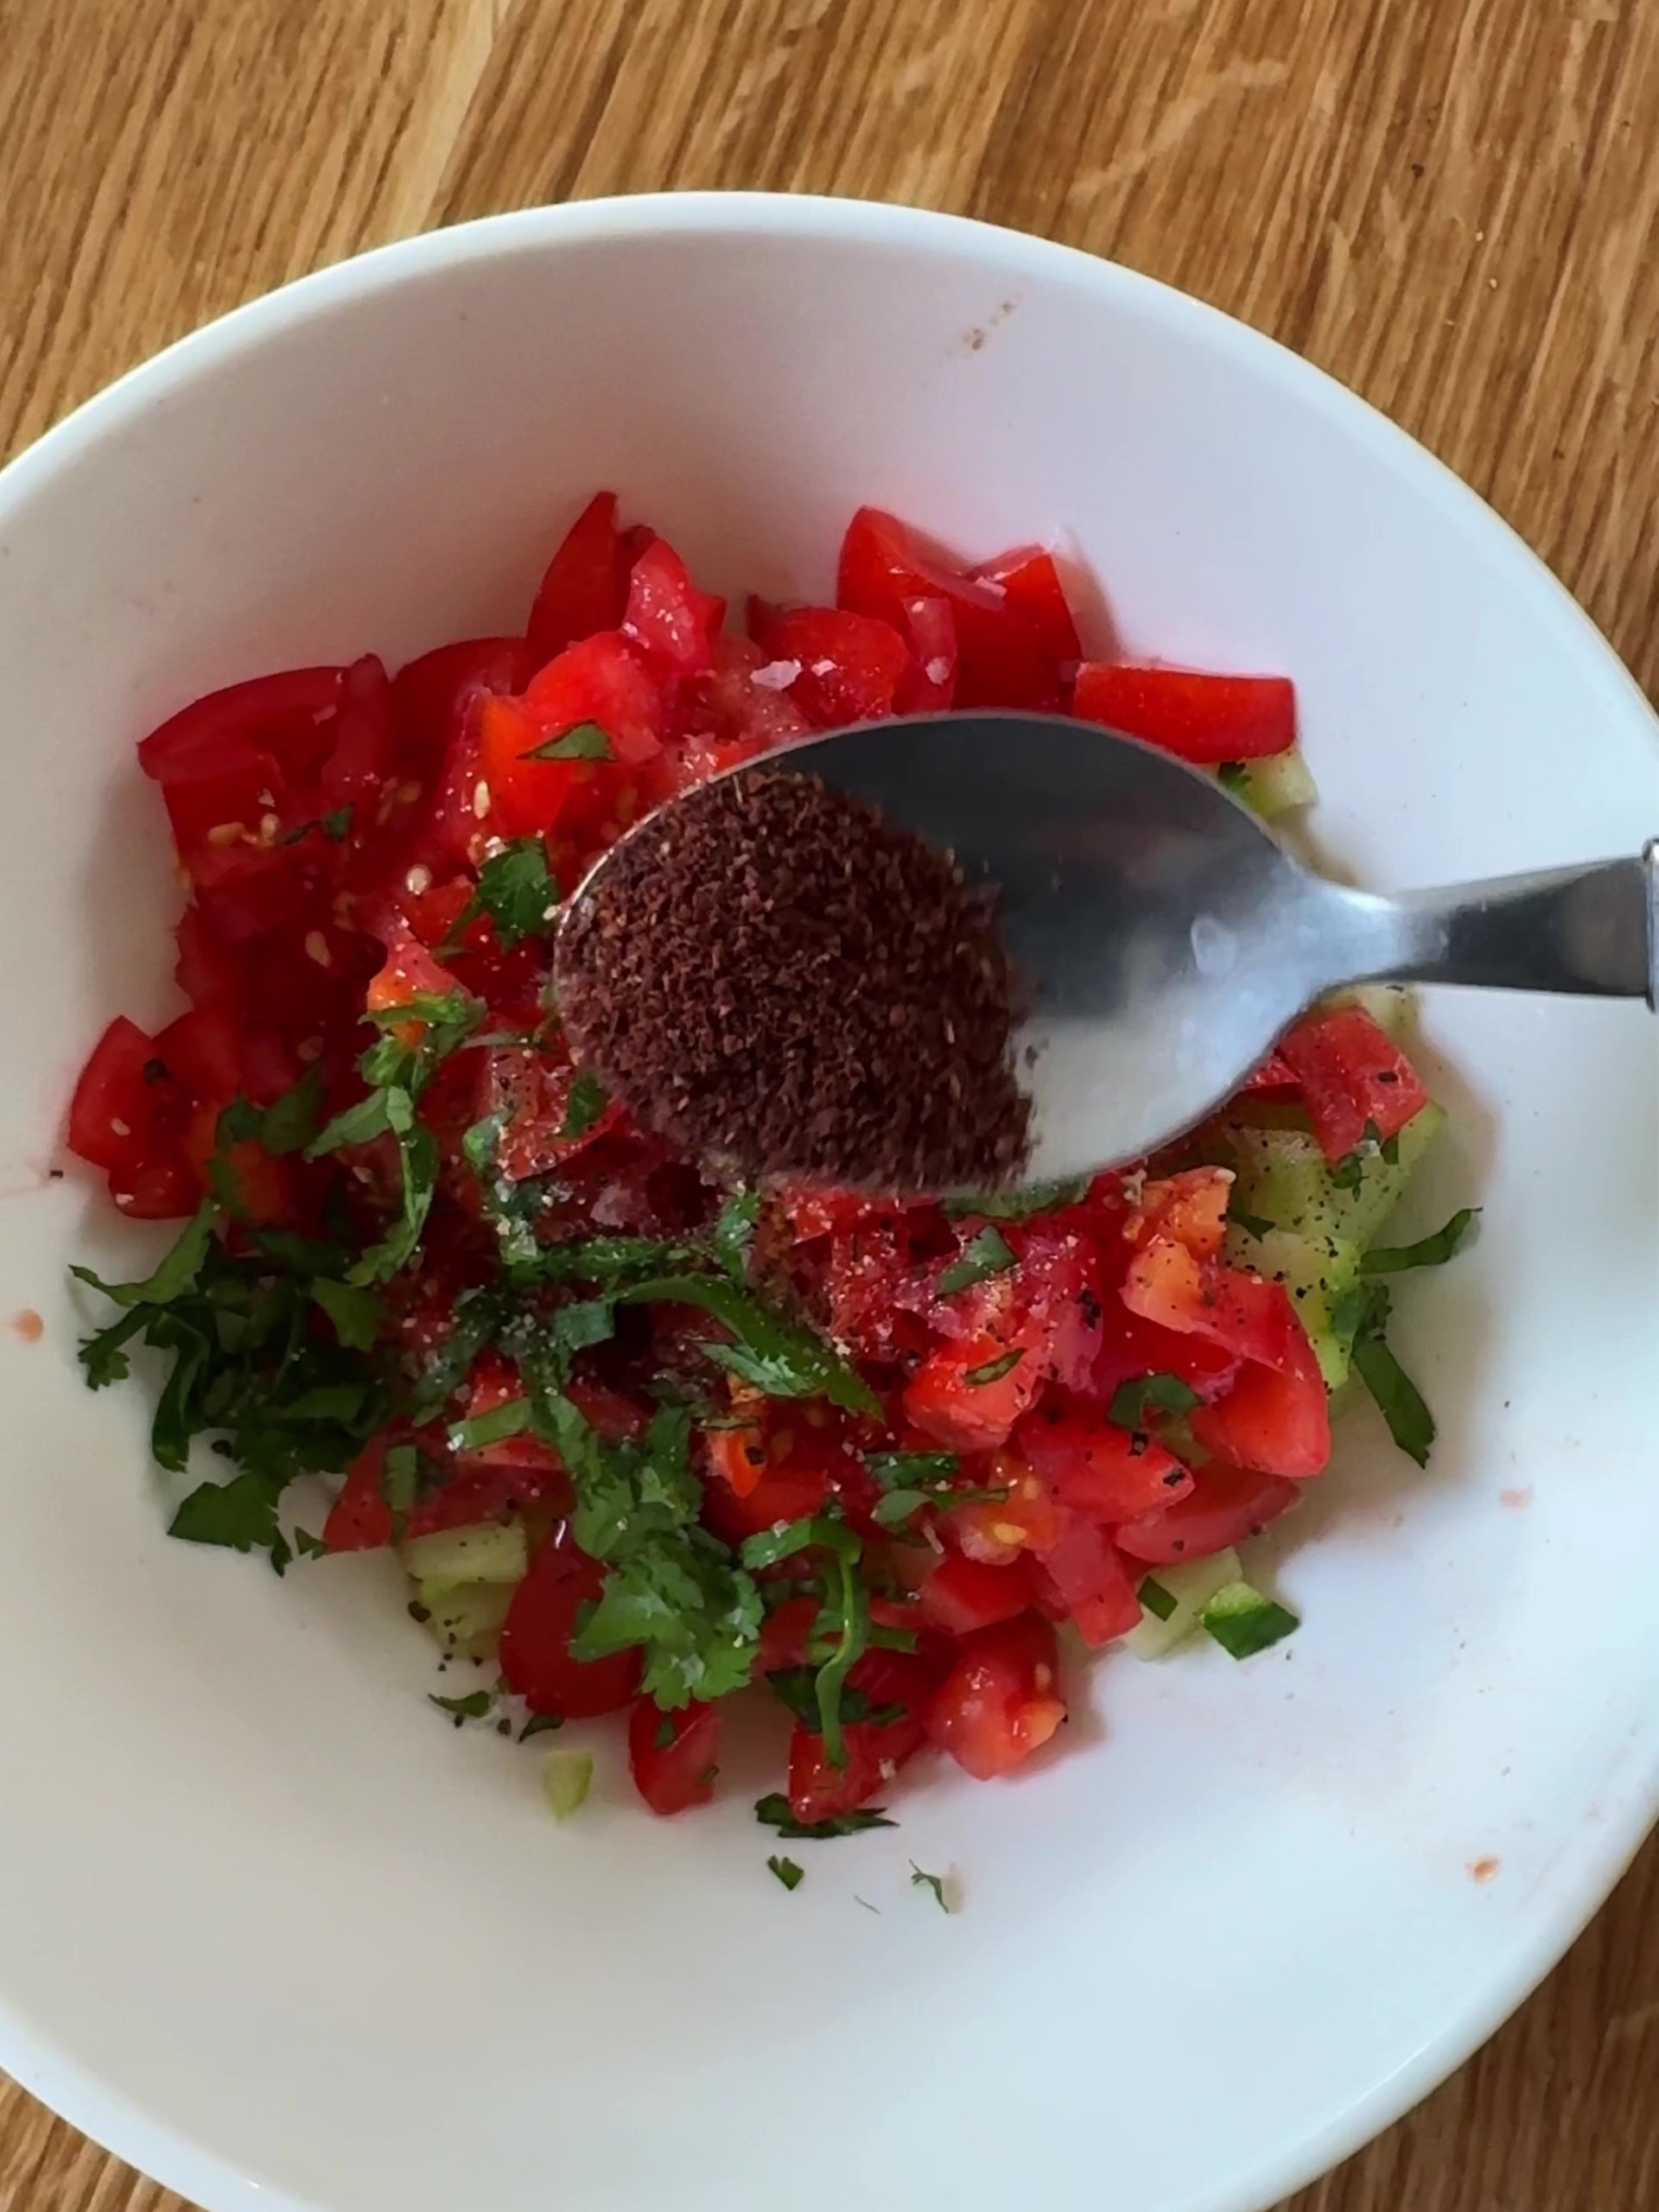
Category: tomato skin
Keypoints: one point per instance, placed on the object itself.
(1094, 1466)
(738, 1457)
(963, 1594)
(429, 695)
(585, 587)
(1351, 1073)
(1134, 1347)
(1031, 583)
(534, 1093)
(113, 1109)
(968, 1416)
(785, 1636)
(203, 1051)
(536, 1662)
(818, 1791)
(1090, 1580)
(1191, 1207)
(209, 971)
(158, 1189)
(1200, 718)
(673, 1776)
(361, 1520)
(851, 665)
(1225, 1505)
(1000, 1701)
(1239, 1312)
(287, 714)
(604, 680)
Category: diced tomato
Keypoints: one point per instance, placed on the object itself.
(1225, 1505)
(585, 588)
(409, 972)
(673, 1757)
(1031, 583)
(202, 1052)
(1001, 657)
(875, 1752)
(1274, 1073)
(1091, 1581)
(361, 755)
(1200, 718)
(250, 1181)
(1191, 1207)
(788, 1491)
(159, 1188)
(359, 1519)
(1000, 1701)
(930, 684)
(114, 1106)
(1091, 1464)
(225, 821)
(969, 1395)
(851, 666)
(428, 695)
(536, 1636)
(670, 621)
(1041, 1322)
(738, 1457)
(1276, 1421)
(602, 680)
(729, 715)
(289, 714)
(1226, 1306)
(209, 971)
(1133, 1347)
(963, 1594)
(785, 1636)
(537, 1097)
(1353, 1077)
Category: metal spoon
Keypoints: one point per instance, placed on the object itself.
(1164, 939)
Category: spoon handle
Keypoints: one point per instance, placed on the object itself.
(1589, 930)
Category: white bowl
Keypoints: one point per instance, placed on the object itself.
(270, 1930)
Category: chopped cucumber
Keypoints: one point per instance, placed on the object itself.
(1391, 1006)
(1283, 1177)
(465, 1618)
(569, 1777)
(1173, 1599)
(1243, 1622)
(1316, 1271)
(1275, 786)
(494, 1551)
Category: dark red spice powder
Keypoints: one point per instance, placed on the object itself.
(772, 974)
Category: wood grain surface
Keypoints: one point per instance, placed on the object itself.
(1450, 204)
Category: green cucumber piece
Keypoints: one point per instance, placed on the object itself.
(493, 1551)
(1283, 1179)
(1275, 786)
(566, 1780)
(465, 1618)
(1175, 1603)
(1243, 1622)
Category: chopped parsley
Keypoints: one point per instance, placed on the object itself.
(994, 1369)
(921, 1880)
(473, 1707)
(787, 1871)
(583, 741)
(773, 1812)
(1360, 1318)
(989, 1254)
(734, 1232)
(1018, 1205)
(586, 1104)
(516, 890)
(1135, 1404)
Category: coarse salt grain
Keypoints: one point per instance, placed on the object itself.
(823, 668)
(419, 879)
(938, 671)
(777, 674)
(122, 1128)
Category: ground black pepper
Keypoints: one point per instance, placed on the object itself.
(773, 974)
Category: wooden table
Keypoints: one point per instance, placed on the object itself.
(1453, 205)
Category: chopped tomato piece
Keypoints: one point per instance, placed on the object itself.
(113, 1110)
(1002, 660)
(288, 715)
(738, 1457)
(896, 1684)
(670, 621)
(429, 695)
(673, 1757)
(1191, 1207)
(1226, 1306)
(1000, 1701)
(585, 587)
(536, 1636)
(1353, 1077)
(1225, 1505)
(850, 666)
(359, 1519)
(1274, 1420)
(1030, 583)
(1101, 1470)
(963, 1594)
(602, 680)
(1091, 1581)
(1200, 718)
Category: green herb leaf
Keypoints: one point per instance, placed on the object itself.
(511, 1418)
(177, 1273)
(994, 1369)
(1433, 1251)
(1018, 1205)
(734, 1232)
(817, 1533)
(240, 1514)
(473, 1707)
(370, 1118)
(516, 890)
(773, 1812)
(586, 1104)
(539, 1725)
(358, 1315)
(918, 1880)
(900, 1507)
(291, 1123)
(584, 741)
(1253, 1224)
(1398, 1399)
(338, 825)
(912, 1470)
(776, 1355)
(1133, 1403)
(989, 1254)
(787, 1871)
(1233, 776)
